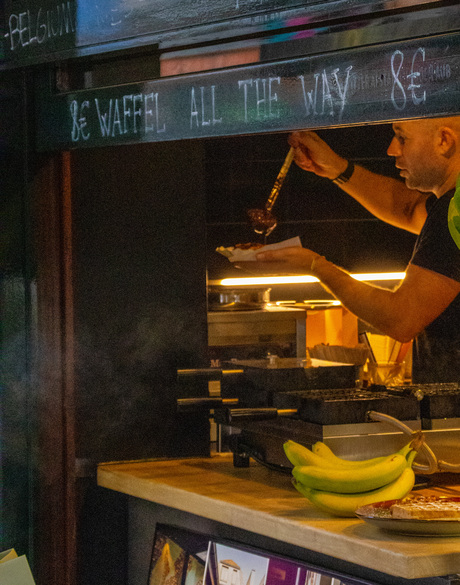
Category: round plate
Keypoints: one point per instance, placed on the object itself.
(379, 515)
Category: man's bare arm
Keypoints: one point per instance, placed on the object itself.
(388, 199)
(385, 197)
(401, 313)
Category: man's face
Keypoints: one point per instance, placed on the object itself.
(413, 147)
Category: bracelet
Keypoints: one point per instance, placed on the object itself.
(346, 175)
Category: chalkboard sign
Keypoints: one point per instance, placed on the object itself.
(39, 28)
(34, 31)
(381, 83)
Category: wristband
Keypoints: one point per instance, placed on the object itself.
(346, 175)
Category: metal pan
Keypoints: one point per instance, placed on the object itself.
(238, 299)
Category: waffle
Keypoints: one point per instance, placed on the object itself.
(426, 508)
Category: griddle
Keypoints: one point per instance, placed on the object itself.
(288, 374)
(270, 405)
(346, 405)
(437, 401)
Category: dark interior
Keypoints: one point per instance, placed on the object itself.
(143, 252)
(240, 172)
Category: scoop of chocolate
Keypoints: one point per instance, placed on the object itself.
(262, 221)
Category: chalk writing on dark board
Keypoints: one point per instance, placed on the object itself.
(324, 93)
(37, 27)
(321, 95)
(259, 95)
(29, 26)
(406, 80)
(200, 114)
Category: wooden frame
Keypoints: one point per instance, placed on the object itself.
(56, 518)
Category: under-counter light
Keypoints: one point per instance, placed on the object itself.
(310, 302)
(380, 276)
(304, 279)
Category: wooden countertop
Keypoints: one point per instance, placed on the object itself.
(264, 502)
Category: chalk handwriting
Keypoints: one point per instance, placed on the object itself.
(396, 65)
(117, 15)
(399, 91)
(129, 115)
(79, 121)
(127, 8)
(203, 107)
(369, 80)
(31, 28)
(266, 18)
(414, 76)
(435, 72)
(407, 78)
(324, 92)
(260, 98)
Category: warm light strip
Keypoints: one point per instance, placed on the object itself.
(263, 280)
(380, 276)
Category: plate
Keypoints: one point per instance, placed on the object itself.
(249, 255)
(379, 515)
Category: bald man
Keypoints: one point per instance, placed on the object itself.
(425, 307)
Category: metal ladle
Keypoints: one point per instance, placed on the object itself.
(262, 220)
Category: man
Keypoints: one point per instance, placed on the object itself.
(426, 305)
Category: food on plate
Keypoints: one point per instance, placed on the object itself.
(426, 508)
(247, 251)
(249, 246)
(229, 250)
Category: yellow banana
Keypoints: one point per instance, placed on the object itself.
(300, 455)
(323, 456)
(346, 504)
(321, 449)
(350, 479)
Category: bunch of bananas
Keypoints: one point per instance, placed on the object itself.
(339, 486)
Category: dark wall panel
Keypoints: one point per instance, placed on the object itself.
(17, 397)
(140, 298)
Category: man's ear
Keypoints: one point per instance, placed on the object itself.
(447, 142)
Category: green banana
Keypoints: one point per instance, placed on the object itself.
(346, 504)
(321, 449)
(351, 479)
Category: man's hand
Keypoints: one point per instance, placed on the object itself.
(314, 155)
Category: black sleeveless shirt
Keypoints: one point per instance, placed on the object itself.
(436, 350)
